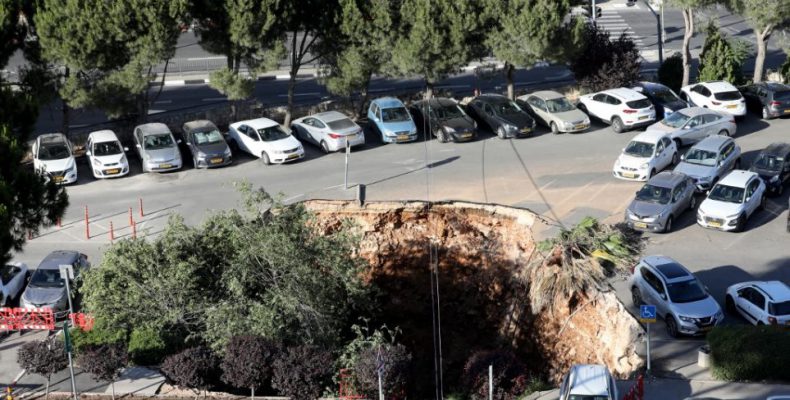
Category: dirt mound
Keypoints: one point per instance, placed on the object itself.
(480, 254)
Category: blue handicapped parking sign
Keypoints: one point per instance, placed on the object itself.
(647, 313)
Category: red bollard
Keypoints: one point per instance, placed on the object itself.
(87, 225)
(57, 222)
(134, 230)
(131, 219)
(29, 235)
(112, 232)
(640, 386)
(142, 214)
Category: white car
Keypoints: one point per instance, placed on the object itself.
(716, 95)
(588, 382)
(14, 277)
(646, 155)
(106, 155)
(265, 139)
(759, 302)
(732, 201)
(53, 157)
(623, 108)
(329, 130)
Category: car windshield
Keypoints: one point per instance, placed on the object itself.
(339, 124)
(506, 107)
(272, 133)
(46, 278)
(448, 112)
(726, 193)
(665, 95)
(55, 151)
(676, 120)
(159, 141)
(394, 114)
(728, 96)
(558, 105)
(701, 157)
(768, 162)
(654, 194)
(639, 149)
(686, 291)
(782, 308)
(107, 149)
(209, 137)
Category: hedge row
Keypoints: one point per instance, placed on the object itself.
(750, 353)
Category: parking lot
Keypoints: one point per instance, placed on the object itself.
(564, 177)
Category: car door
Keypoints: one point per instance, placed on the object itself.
(667, 152)
(680, 198)
(597, 104)
(743, 303)
(138, 142)
(539, 108)
(752, 196)
(698, 95)
(756, 305)
(311, 131)
(693, 131)
(726, 159)
(489, 115)
(13, 281)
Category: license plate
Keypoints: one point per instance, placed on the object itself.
(165, 165)
(706, 328)
(292, 156)
(466, 135)
(57, 179)
(403, 137)
(525, 130)
(640, 225)
(580, 126)
(787, 112)
(732, 106)
(216, 160)
(714, 224)
(643, 117)
(629, 174)
(112, 171)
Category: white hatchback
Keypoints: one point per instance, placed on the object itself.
(53, 157)
(106, 155)
(330, 130)
(646, 155)
(265, 139)
(732, 201)
(716, 95)
(759, 302)
(623, 108)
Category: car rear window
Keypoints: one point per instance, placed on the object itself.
(782, 308)
(782, 96)
(344, 123)
(643, 103)
(727, 96)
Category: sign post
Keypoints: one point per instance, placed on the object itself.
(67, 274)
(647, 315)
(380, 370)
(345, 175)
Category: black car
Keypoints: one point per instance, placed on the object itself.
(446, 120)
(503, 116)
(664, 99)
(206, 144)
(768, 99)
(773, 166)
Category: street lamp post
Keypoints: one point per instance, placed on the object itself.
(659, 28)
(67, 273)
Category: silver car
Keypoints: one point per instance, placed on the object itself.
(554, 111)
(46, 288)
(660, 201)
(157, 148)
(690, 125)
(680, 298)
(709, 160)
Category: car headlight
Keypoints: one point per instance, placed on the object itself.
(567, 125)
(733, 216)
(719, 315)
(389, 133)
(124, 160)
(644, 166)
(97, 163)
(617, 163)
(227, 152)
(201, 155)
(686, 319)
(475, 124)
(449, 129)
(775, 179)
(511, 127)
(704, 179)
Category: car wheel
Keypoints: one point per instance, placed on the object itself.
(741, 224)
(441, 136)
(652, 173)
(729, 304)
(324, 147)
(668, 225)
(762, 202)
(617, 125)
(265, 158)
(234, 147)
(500, 132)
(724, 132)
(693, 202)
(766, 115)
(678, 143)
(672, 327)
(554, 128)
(675, 158)
(780, 189)
(636, 297)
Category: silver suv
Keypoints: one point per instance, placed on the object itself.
(680, 299)
(709, 160)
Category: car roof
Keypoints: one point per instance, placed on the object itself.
(625, 94)
(777, 149)
(153, 128)
(588, 380)
(738, 178)
(329, 116)
(776, 86)
(649, 136)
(778, 291)
(672, 270)
(492, 98)
(56, 258)
(193, 126)
(668, 179)
(694, 111)
(440, 101)
(105, 135)
(51, 138)
(388, 102)
(258, 123)
(712, 143)
(651, 85)
(719, 86)
(545, 94)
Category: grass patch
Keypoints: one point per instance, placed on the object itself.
(750, 353)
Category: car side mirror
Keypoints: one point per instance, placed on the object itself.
(125, 149)
(88, 153)
(138, 146)
(178, 141)
(663, 296)
(686, 127)
(375, 118)
(748, 198)
(682, 157)
(720, 162)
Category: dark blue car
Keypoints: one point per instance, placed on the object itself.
(663, 98)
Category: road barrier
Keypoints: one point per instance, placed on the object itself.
(87, 225)
(141, 207)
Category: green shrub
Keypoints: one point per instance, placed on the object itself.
(722, 58)
(147, 347)
(784, 70)
(749, 353)
(99, 335)
(670, 73)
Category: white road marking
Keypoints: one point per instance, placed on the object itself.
(206, 58)
(303, 94)
(572, 195)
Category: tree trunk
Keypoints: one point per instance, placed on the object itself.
(291, 87)
(65, 109)
(365, 94)
(112, 385)
(759, 60)
(428, 89)
(252, 397)
(46, 391)
(511, 90)
(688, 20)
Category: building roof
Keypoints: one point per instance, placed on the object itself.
(58, 257)
(649, 136)
(388, 102)
(589, 380)
(625, 94)
(105, 135)
(667, 179)
(737, 178)
(153, 128)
